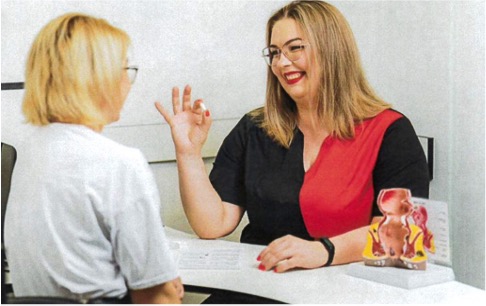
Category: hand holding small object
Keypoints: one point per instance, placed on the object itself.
(189, 124)
(203, 107)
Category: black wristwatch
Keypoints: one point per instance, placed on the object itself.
(329, 248)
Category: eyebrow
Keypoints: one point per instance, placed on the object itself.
(288, 42)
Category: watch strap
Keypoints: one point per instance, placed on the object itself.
(329, 246)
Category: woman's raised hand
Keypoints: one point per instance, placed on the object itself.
(190, 123)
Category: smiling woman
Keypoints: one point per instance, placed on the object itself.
(306, 167)
(293, 69)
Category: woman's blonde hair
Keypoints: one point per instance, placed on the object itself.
(344, 96)
(74, 70)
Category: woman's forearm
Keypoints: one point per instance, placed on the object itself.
(349, 246)
(207, 214)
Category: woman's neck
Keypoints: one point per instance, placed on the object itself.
(308, 119)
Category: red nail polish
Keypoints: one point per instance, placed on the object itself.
(261, 267)
(259, 258)
(275, 270)
(207, 113)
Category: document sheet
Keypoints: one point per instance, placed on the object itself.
(204, 258)
(438, 223)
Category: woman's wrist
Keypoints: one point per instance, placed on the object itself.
(329, 246)
(189, 156)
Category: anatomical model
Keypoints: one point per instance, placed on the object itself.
(397, 241)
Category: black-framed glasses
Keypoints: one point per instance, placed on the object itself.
(292, 50)
(132, 73)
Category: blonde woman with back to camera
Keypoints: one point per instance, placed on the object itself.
(83, 219)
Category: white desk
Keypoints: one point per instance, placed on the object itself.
(317, 286)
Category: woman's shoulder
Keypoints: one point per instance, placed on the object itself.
(389, 114)
(100, 147)
(397, 119)
(387, 119)
(128, 156)
(254, 117)
(251, 121)
(248, 129)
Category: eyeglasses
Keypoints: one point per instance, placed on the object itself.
(132, 73)
(292, 50)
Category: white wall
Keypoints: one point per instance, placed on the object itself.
(466, 149)
(201, 43)
(425, 57)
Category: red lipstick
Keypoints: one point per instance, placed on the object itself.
(293, 77)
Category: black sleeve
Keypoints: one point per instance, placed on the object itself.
(227, 175)
(401, 162)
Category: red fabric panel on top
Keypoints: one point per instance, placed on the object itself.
(337, 194)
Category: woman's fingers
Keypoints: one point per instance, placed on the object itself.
(276, 253)
(203, 118)
(176, 105)
(273, 261)
(179, 287)
(285, 265)
(198, 107)
(276, 246)
(186, 98)
(206, 120)
(164, 113)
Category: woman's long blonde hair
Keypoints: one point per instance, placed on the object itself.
(345, 98)
(74, 70)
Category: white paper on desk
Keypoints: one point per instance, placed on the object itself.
(438, 223)
(194, 258)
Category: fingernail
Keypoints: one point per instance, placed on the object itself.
(275, 270)
(207, 113)
(203, 107)
(259, 258)
(261, 267)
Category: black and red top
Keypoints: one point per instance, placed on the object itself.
(336, 195)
